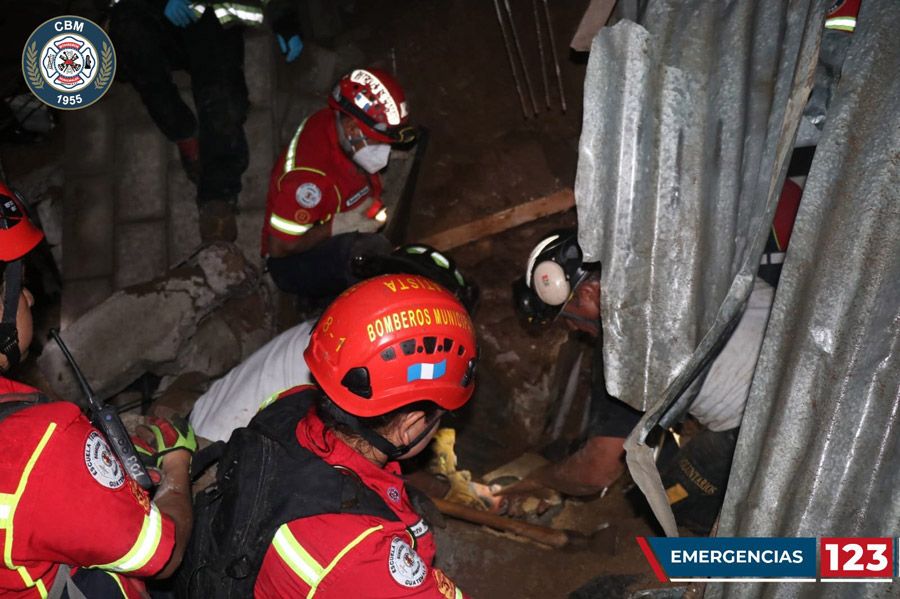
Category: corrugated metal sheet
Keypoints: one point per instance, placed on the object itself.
(819, 449)
(687, 126)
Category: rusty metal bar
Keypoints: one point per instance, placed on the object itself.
(512, 63)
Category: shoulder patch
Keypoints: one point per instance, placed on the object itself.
(140, 495)
(101, 462)
(444, 584)
(302, 216)
(308, 195)
(405, 565)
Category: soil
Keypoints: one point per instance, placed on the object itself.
(484, 156)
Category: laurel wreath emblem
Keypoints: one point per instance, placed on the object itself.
(105, 67)
(31, 67)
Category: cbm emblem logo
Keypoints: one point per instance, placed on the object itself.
(69, 62)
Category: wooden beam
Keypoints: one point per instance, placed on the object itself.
(502, 221)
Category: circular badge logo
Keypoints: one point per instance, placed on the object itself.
(308, 195)
(69, 62)
(101, 463)
(405, 565)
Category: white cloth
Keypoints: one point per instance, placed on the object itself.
(234, 399)
(720, 403)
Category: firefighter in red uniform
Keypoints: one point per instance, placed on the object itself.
(72, 523)
(324, 198)
(390, 356)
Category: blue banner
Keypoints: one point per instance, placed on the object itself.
(732, 557)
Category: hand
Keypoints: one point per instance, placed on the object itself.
(355, 220)
(160, 437)
(180, 13)
(290, 48)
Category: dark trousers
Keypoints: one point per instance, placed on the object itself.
(149, 48)
(327, 269)
(608, 416)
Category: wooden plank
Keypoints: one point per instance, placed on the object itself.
(502, 221)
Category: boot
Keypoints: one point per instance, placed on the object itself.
(217, 220)
(189, 151)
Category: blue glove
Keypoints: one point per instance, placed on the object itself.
(291, 49)
(179, 12)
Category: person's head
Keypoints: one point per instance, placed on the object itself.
(372, 115)
(424, 260)
(18, 236)
(392, 354)
(557, 283)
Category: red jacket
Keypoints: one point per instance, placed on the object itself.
(312, 180)
(65, 499)
(349, 555)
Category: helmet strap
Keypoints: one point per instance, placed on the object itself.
(9, 335)
(343, 139)
(393, 452)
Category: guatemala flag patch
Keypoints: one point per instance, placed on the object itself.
(426, 371)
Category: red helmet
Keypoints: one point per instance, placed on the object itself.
(376, 102)
(18, 235)
(391, 341)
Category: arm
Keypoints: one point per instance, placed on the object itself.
(173, 498)
(278, 247)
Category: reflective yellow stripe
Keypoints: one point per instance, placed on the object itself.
(292, 149)
(337, 192)
(841, 23)
(302, 563)
(288, 226)
(144, 548)
(459, 594)
(228, 11)
(118, 582)
(269, 401)
(343, 552)
(297, 558)
(8, 511)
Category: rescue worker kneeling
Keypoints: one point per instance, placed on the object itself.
(324, 202)
(73, 523)
(308, 498)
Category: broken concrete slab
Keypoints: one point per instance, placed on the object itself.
(146, 327)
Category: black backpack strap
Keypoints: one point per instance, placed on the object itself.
(206, 457)
(11, 403)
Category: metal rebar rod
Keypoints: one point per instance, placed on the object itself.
(512, 63)
(562, 94)
(515, 36)
(540, 42)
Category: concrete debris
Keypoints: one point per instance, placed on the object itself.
(507, 357)
(156, 326)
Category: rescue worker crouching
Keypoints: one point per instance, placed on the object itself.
(74, 524)
(558, 284)
(309, 499)
(324, 201)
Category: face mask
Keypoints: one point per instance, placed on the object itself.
(373, 158)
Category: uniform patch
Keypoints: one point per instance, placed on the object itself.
(444, 584)
(352, 200)
(140, 495)
(302, 216)
(405, 565)
(102, 463)
(419, 529)
(308, 195)
(393, 494)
